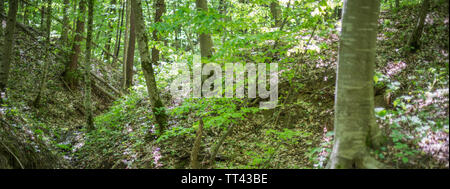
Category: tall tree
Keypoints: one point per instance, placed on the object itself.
(206, 43)
(414, 41)
(158, 108)
(276, 12)
(65, 22)
(355, 128)
(72, 65)
(87, 68)
(2, 6)
(48, 27)
(7, 57)
(110, 33)
(119, 34)
(129, 58)
(2, 11)
(160, 7)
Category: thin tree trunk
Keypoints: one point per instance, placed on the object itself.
(65, 22)
(206, 43)
(71, 67)
(276, 12)
(125, 43)
(110, 33)
(128, 79)
(119, 34)
(147, 67)
(2, 12)
(43, 82)
(414, 41)
(160, 7)
(7, 57)
(2, 6)
(354, 123)
(87, 69)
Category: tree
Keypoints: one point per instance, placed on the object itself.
(72, 65)
(87, 68)
(5, 64)
(2, 6)
(129, 57)
(48, 28)
(276, 12)
(160, 7)
(414, 41)
(158, 108)
(354, 123)
(119, 34)
(65, 22)
(206, 43)
(2, 10)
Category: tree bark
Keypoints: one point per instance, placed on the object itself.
(43, 82)
(65, 22)
(128, 71)
(87, 69)
(276, 13)
(414, 41)
(110, 33)
(206, 43)
(158, 108)
(354, 123)
(71, 67)
(125, 42)
(119, 34)
(7, 57)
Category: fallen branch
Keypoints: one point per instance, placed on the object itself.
(107, 84)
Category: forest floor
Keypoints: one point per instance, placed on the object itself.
(411, 98)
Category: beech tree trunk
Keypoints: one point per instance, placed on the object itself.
(354, 123)
(158, 108)
(7, 57)
(414, 41)
(70, 74)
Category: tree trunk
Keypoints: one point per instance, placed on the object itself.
(110, 33)
(65, 24)
(206, 43)
(87, 69)
(43, 82)
(2, 7)
(25, 14)
(354, 123)
(71, 67)
(125, 42)
(119, 35)
(2, 12)
(160, 7)
(276, 12)
(414, 41)
(147, 67)
(128, 71)
(8, 47)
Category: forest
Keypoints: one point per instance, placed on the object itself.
(224, 84)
